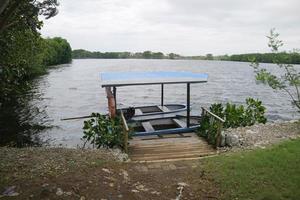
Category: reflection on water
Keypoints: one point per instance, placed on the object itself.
(75, 90)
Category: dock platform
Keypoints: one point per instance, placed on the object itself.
(183, 146)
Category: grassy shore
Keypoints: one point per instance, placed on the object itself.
(272, 173)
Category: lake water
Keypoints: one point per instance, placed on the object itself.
(75, 90)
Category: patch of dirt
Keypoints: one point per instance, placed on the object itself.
(39, 173)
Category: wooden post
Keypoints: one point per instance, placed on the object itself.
(212, 119)
(219, 134)
(188, 105)
(115, 96)
(125, 141)
(162, 95)
(111, 102)
(202, 114)
(125, 133)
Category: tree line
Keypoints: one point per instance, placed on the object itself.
(291, 58)
(81, 53)
(288, 58)
(24, 53)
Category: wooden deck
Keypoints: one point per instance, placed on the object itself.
(169, 147)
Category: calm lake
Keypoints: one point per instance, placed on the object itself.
(75, 90)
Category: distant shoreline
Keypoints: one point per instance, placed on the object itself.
(282, 57)
(169, 59)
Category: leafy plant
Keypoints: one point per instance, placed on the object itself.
(234, 116)
(289, 81)
(103, 131)
(208, 126)
(255, 112)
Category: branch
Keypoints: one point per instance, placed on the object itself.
(9, 25)
(9, 14)
(4, 4)
(293, 99)
(292, 78)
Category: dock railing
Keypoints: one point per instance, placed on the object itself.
(124, 133)
(214, 119)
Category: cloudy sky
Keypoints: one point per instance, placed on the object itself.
(187, 27)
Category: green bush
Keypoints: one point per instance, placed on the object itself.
(234, 116)
(103, 131)
(57, 51)
(25, 55)
(208, 126)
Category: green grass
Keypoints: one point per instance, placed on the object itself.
(272, 173)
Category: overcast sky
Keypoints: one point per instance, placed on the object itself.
(187, 27)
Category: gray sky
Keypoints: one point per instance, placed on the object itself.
(187, 27)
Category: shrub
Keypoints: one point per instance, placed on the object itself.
(103, 131)
(234, 116)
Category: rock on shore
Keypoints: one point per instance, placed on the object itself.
(260, 135)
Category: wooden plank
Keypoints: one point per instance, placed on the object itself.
(170, 148)
(164, 108)
(212, 114)
(147, 126)
(138, 112)
(171, 152)
(178, 122)
(125, 133)
(162, 157)
(164, 137)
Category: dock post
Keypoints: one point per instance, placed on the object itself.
(162, 95)
(115, 96)
(111, 102)
(188, 105)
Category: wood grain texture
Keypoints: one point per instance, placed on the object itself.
(169, 147)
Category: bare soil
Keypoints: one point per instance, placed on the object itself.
(38, 173)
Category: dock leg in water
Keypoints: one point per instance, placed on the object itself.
(111, 102)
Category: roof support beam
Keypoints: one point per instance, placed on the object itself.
(162, 95)
(111, 102)
(188, 105)
(115, 96)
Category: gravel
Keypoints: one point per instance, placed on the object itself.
(261, 135)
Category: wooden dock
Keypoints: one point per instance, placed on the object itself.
(169, 147)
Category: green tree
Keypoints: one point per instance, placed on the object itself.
(57, 51)
(158, 55)
(147, 54)
(24, 13)
(22, 50)
(288, 81)
(209, 56)
(173, 56)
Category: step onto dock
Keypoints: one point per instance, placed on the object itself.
(169, 147)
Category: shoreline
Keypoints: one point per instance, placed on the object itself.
(55, 173)
(261, 135)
